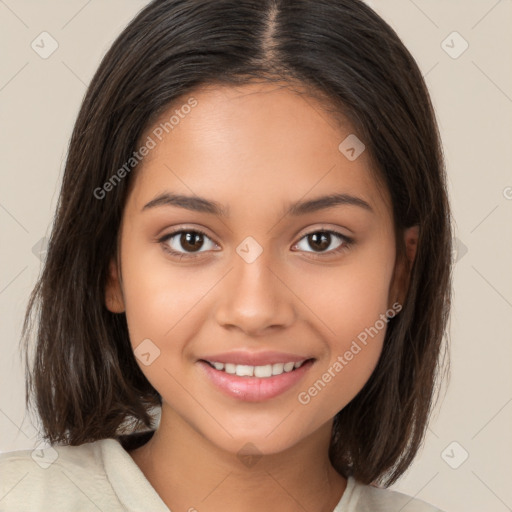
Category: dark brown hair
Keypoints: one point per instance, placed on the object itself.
(84, 379)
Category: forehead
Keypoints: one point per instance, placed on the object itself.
(254, 140)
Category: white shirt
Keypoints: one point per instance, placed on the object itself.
(102, 476)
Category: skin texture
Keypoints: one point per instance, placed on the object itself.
(254, 149)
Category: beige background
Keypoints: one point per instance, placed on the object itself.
(39, 100)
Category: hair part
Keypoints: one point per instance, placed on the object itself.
(83, 378)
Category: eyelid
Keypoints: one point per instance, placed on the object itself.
(183, 228)
(323, 227)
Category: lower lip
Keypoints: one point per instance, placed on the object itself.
(254, 389)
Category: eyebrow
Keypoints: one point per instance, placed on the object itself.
(203, 205)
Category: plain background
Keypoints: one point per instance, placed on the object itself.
(472, 94)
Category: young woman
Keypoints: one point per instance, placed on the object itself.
(248, 279)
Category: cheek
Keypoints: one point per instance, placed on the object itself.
(351, 304)
(352, 357)
(161, 311)
(346, 300)
(159, 297)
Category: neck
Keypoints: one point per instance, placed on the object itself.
(190, 473)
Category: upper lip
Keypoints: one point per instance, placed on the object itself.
(255, 358)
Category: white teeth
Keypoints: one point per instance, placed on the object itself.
(288, 367)
(264, 371)
(243, 370)
(230, 368)
(277, 368)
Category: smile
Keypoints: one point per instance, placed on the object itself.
(254, 382)
(262, 372)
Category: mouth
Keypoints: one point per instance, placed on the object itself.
(255, 382)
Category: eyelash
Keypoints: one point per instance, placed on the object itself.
(347, 243)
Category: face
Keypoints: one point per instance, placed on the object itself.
(256, 321)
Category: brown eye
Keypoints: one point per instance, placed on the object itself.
(186, 242)
(191, 240)
(322, 240)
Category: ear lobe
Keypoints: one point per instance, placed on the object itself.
(113, 292)
(404, 265)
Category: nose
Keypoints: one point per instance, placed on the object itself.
(254, 298)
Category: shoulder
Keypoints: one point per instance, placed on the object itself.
(367, 498)
(372, 499)
(56, 478)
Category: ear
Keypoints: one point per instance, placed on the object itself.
(114, 300)
(403, 266)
